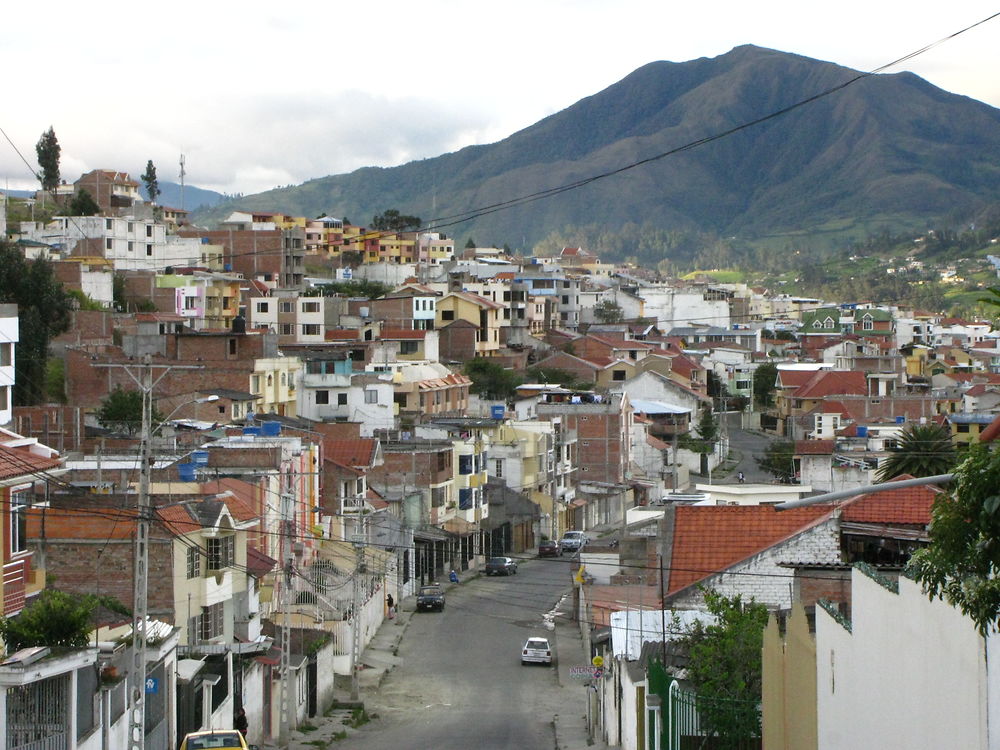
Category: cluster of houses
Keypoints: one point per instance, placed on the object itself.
(314, 454)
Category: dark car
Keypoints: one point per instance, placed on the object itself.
(430, 597)
(501, 566)
(549, 548)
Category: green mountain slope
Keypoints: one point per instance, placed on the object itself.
(891, 149)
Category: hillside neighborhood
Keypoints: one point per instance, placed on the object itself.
(309, 449)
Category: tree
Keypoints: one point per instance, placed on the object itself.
(150, 181)
(44, 310)
(764, 379)
(490, 380)
(725, 668)
(121, 411)
(48, 151)
(83, 204)
(922, 450)
(708, 432)
(608, 311)
(779, 460)
(470, 244)
(393, 221)
(55, 619)
(961, 562)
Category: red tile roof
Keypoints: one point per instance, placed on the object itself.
(833, 383)
(910, 505)
(402, 334)
(814, 447)
(18, 462)
(341, 335)
(359, 453)
(710, 538)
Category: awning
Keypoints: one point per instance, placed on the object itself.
(577, 503)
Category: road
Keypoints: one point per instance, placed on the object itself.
(461, 683)
(748, 446)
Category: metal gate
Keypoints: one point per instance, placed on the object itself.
(38, 715)
(683, 730)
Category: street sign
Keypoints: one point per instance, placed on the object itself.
(597, 661)
(598, 673)
(584, 673)
(152, 685)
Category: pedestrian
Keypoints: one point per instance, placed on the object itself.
(453, 577)
(241, 722)
(739, 475)
(391, 603)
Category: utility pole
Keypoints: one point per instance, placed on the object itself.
(284, 699)
(358, 540)
(137, 713)
(140, 572)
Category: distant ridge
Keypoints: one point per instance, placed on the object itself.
(889, 150)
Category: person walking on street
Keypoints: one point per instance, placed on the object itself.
(739, 476)
(391, 604)
(453, 577)
(240, 723)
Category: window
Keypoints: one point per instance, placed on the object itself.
(310, 307)
(4, 397)
(6, 354)
(19, 500)
(498, 472)
(408, 347)
(322, 397)
(131, 227)
(193, 562)
(210, 624)
(107, 243)
(232, 347)
(149, 249)
(262, 307)
(962, 428)
(221, 552)
(867, 324)
(341, 399)
(565, 299)
(285, 307)
(618, 375)
(447, 315)
(190, 303)
(310, 329)
(371, 396)
(108, 224)
(149, 230)
(131, 246)
(287, 329)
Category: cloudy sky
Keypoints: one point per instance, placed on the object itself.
(259, 94)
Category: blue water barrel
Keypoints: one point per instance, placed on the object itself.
(270, 429)
(251, 430)
(498, 411)
(186, 472)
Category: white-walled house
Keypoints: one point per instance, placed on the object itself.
(904, 671)
(9, 336)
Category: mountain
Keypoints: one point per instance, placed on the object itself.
(195, 199)
(889, 151)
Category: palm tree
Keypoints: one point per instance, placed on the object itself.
(923, 450)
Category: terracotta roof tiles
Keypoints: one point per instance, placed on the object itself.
(711, 538)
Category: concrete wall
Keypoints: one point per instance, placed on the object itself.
(910, 673)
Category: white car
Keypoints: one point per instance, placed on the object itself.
(536, 651)
(573, 541)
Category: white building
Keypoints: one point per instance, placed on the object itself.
(906, 671)
(9, 336)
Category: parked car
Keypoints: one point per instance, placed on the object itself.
(501, 566)
(573, 541)
(216, 739)
(549, 548)
(430, 597)
(536, 651)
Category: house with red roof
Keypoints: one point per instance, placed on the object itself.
(761, 552)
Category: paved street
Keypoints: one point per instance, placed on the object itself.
(461, 682)
(746, 447)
